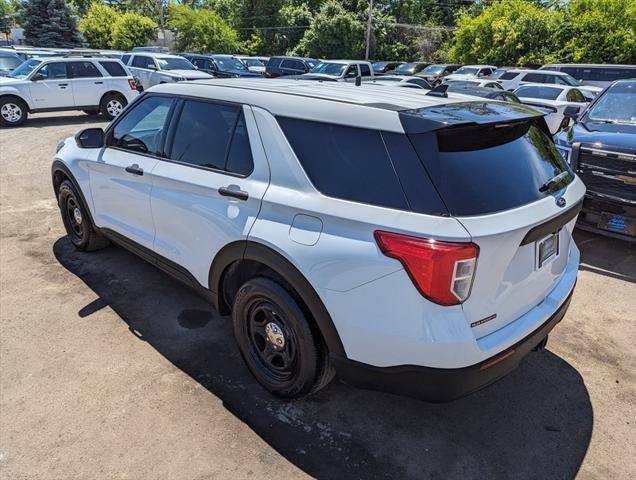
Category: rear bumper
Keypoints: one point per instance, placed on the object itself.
(440, 384)
(594, 206)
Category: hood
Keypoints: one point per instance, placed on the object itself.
(189, 74)
(610, 136)
(9, 80)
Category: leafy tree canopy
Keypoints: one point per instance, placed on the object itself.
(133, 30)
(202, 30)
(98, 25)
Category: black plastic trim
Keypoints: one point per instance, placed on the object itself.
(61, 167)
(441, 384)
(551, 226)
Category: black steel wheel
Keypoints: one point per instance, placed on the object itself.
(77, 221)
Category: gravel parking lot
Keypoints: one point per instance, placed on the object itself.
(109, 369)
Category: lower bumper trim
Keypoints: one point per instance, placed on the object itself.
(442, 384)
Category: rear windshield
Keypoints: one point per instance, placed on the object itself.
(490, 168)
(546, 93)
(509, 75)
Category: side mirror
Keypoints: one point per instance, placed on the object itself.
(571, 112)
(90, 138)
(37, 77)
(152, 67)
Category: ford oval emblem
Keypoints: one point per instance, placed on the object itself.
(560, 202)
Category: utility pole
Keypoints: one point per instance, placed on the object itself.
(366, 55)
(161, 23)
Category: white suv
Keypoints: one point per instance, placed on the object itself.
(156, 68)
(93, 85)
(514, 78)
(414, 243)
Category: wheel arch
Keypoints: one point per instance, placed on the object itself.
(112, 92)
(15, 95)
(245, 258)
(59, 173)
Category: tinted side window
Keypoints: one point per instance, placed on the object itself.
(203, 134)
(365, 71)
(53, 71)
(534, 78)
(114, 69)
(125, 59)
(141, 61)
(84, 70)
(239, 157)
(345, 162)
(293, 64)
(508, 76)
(142, 127)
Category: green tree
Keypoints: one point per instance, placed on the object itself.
(49, 23)
(514, 32)
(201, 30)
(334, 33)
(133, 30)
(598, 31)
(81, 6)
(98, 25)
(293, 21)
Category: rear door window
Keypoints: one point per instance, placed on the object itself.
(114, 69)
(365, 71)
(84, 70)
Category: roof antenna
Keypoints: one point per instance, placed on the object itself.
(439, 91)
(358, 80)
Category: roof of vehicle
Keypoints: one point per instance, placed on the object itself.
(549, 85)
(343, 61)
(76, 58)
(527, 70)
(479, 66)
(333, 102)
(600, 65)
(293, 58)
(154, 54)
(484, 92)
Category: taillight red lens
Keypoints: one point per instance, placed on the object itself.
(442, 271)
(132, 83)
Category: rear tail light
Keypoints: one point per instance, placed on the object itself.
(441, 271)
(132, 83)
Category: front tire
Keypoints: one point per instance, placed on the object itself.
(76, 220)
(13, 112)
(276, 340)
(112, 105)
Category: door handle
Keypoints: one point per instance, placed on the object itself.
(99, 83)
(135, 169)
(233, 192)
(62, 85)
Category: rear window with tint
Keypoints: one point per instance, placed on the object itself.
(114, 69)
(362, 165)
(485, 169)
(509, 76)
(546, 93)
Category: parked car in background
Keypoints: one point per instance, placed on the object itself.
(155, 68)
(473, 83)
(220, 66)
(598, 75)
(557, 98)
(469, 72)
(499, 72)
(410, 68)
(152, 49)
(254, 64)
(329, 212)
(93, 85)
(601, 148)
(398, 81)
(491, 93)
(383, 67)
(8, 62)
(341, 70)
(281, 66)
(434, 74)
(514, 78)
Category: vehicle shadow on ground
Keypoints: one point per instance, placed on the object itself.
(534, 423)
(606, 256)
(41, 120)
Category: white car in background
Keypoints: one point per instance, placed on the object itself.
(469, 72)
(555, 98)
(93, 85)
(398, 81)
(517, 77)
(340, 70)
(153, 68)
(473, 83)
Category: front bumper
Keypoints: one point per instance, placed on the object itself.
(594, 206)
(441, 384)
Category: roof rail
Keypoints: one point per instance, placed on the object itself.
(84, 54)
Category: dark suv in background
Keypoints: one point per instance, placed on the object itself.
(221, 66)
(436, 72)
(601, 148)
(281, 66)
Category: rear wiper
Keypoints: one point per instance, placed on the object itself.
(553, 181)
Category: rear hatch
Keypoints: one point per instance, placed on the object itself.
(499, 174)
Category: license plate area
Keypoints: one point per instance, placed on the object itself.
(617, 223)
(547, 249)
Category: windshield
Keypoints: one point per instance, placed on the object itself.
(498, 73)
(545, 93)
(253, 62)
(569, 79)
(378, 65)
(616, 105)
(435, 69)
(466, 71)
(169, 63)
(406, 67)
(25, 68)
(9, 63)
(229, 63)
(327, 68)
(312, 63)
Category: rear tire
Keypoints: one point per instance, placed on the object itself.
(77, 221)
(13, 112)
(277, 341)
(112, 104)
